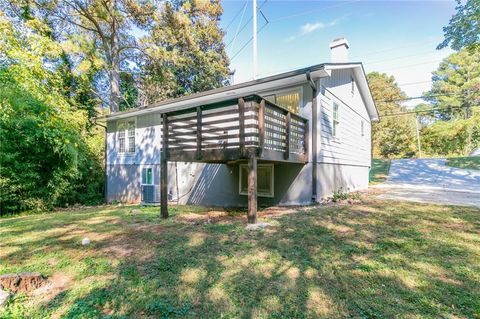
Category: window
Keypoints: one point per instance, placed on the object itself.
(353, 85)
(290, 99)
(362, 128)
(335, 119)
(121, 137)
(126, 136)
(264, 180)
(147, 176)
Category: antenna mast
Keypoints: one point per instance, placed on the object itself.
(254, 39)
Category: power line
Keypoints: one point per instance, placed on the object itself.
(246, 23)
(416, 64)
(239, 23)
(399, 57)
(246, 43)
(425, 111)
(418, 97)
(412, 83)
(236, 15)
(393, 48)
(312, 10)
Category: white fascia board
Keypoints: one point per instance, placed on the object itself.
(225, 95)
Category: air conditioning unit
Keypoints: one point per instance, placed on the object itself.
(150, 194)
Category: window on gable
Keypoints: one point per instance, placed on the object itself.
(147, 176)
(126, 136)
(264, 180)
(336, 121)
(290, 99)
(353, 85)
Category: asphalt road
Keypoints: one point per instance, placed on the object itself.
(429, 180)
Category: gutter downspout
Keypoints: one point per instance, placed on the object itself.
(314, 135)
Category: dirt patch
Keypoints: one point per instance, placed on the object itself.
(211, 217)
(23, 282)
(119, 251)
(54, 285)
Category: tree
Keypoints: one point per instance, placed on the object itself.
(456, 85)
(108, 24)
(185, 52)
(393, 136)
(45, 156)
(463, 30)
(452, 138)
(425, 115)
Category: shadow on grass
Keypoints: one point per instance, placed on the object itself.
(464, 162)
(374, 260)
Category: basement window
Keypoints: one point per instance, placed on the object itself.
(264, 180)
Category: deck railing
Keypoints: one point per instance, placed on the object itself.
(230, 129)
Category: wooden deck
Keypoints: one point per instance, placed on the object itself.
(245, 129)
(234, 130)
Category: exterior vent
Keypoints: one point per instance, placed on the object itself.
(150, 194)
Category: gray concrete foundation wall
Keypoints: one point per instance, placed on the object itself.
(332, 177)
(210, 184)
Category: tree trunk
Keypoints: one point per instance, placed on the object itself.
(114, 88)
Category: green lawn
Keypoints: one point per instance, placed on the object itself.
(379, 170)
(373, 259)
(464, 162)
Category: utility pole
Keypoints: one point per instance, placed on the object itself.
(418, 137)
(254, 39)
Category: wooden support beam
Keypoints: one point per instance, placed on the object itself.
(241, 124)
(252, 190)
(261, 127)
(287, 141)
(199, 132)
(164, 170)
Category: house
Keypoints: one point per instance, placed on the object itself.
(287, 139)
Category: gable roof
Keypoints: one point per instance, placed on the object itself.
(257, 86)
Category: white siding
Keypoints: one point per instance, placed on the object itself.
(348, 147)
(147, 141)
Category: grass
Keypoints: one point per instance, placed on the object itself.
(464, 162)
(374, 259)
(379, 170)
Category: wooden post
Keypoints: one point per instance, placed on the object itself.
(287, 141)
(241, 125)
(261, 127)
(252, 190)
(199, 132)
(164, 170)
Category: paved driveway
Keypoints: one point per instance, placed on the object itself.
(429, 180)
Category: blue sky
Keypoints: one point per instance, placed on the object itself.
(395, 37)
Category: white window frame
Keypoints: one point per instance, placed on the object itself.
(141, 177)
(335, 119)
(127, 142)
(298, 89)
(259, 194)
